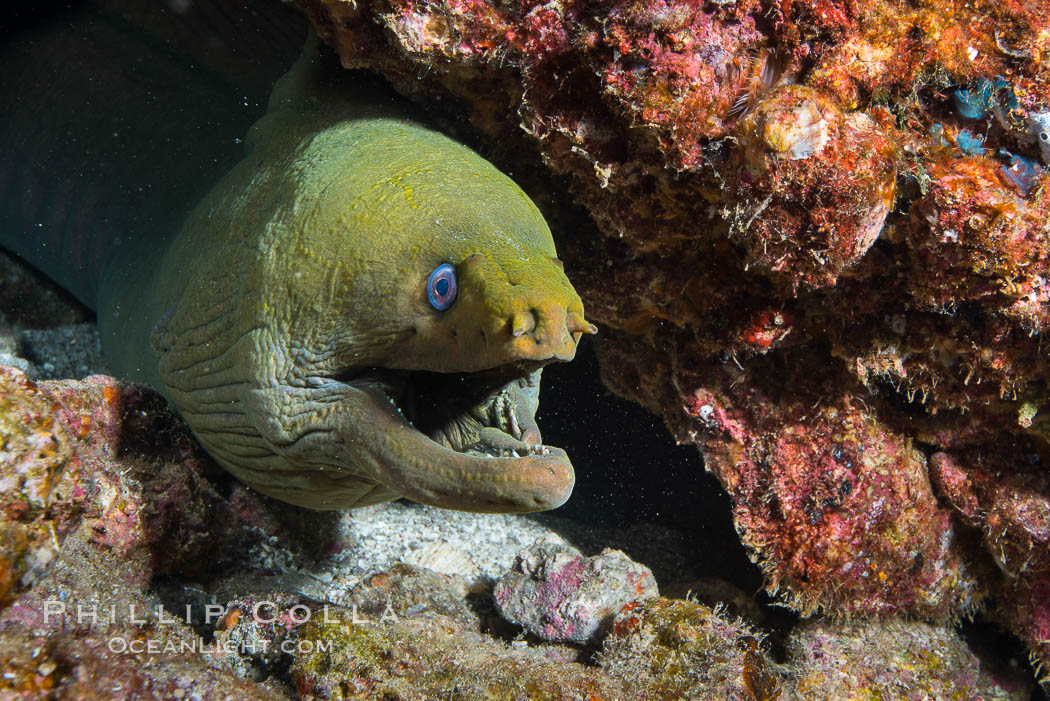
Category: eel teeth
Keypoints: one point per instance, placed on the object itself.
(504, 416)
(490, 452)
(513, 418)
(401, 413)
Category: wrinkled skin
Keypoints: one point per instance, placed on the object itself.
(289, 323)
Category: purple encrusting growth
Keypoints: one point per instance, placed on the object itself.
(557, 594)
(164, 516)
(850, 525)
(103, 492)
(1004, 493)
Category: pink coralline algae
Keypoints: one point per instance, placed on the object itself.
(975, 236)
(61, 469)
(817, 230)
(103, 492)
(848, 523)
(559, 595)
(1004, 493)
(685, 62)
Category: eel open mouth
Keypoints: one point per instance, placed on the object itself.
(465, 440)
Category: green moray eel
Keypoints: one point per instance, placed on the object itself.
(359, 310)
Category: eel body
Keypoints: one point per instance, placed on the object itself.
(359, 310)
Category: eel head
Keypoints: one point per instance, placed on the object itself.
(448, 402)
(385, 332)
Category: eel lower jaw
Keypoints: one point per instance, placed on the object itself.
(444, 451)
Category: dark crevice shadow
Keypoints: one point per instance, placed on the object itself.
(636, 490)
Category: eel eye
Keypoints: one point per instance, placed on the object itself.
(441, 287)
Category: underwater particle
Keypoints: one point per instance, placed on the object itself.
(673, 649)
(811, 184)
(559, 595)
(893, 658)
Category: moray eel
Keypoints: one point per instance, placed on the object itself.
(358, 311)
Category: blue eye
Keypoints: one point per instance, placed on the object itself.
(441, 287)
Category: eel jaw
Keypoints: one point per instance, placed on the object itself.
(463, 441)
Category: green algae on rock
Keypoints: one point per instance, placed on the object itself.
(431, 658)
(659, 649)
(893, 659)
(670, 649)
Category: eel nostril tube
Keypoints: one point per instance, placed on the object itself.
(522, 323)
(577, 324)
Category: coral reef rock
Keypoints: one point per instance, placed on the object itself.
(105, 493)
(667, 649)
(59, 471)
(817, 247)
(346, 656)
(130, 559)
(893, 659)
(559, 595)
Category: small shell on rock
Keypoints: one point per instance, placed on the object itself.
(796, 132)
